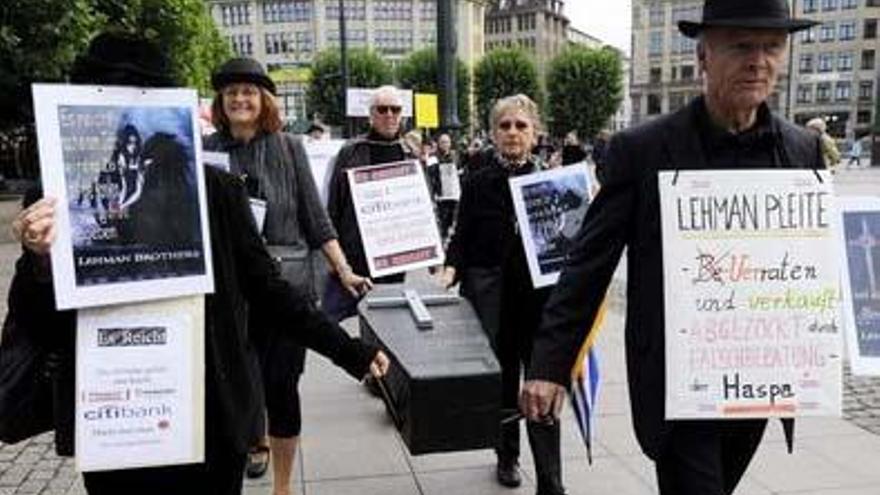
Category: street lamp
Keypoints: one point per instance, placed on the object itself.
(343, 64)
(446, 48)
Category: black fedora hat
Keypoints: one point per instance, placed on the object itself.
(242, 70)
(755, 14)
(124, 59)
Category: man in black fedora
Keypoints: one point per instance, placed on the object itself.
(742, 45)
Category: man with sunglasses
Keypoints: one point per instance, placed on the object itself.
(381, 144)
(742, 47)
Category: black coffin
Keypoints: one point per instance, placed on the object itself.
(445, 382)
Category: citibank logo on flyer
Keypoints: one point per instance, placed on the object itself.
(111, 412)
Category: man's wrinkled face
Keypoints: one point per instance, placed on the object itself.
(385, 115)
(742, 65)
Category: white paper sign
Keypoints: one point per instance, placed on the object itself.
(395, 217)
(751, 284)
(860, 257)
(131, 218)
(357, 101)
(140, 372)
(258, 210)
(216, 159)
(321, 155)
(450, 185)
(550, 207)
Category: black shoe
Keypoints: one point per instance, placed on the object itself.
(507, 474)
(257, 462)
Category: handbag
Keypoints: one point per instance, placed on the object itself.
(26, 388)
(297, 267)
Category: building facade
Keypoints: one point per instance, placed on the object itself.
(537, 26)
(285, 35)
(835, 65)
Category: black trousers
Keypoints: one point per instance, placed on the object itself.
(220, 475)
(521, 308)
(707, 457)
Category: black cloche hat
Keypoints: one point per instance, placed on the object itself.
(123, 59)
(756, 14)
(242, 70)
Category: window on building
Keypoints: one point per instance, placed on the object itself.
(870, 29)
(808, 35)
(868, 57)
(687, 72)
(392, 10)
(849, 4)
(654, 104)
(393, 40)
(843, 91)
(806, 63)
(805, 93)
(287, 11)
(826, 62)
(428, 10)
(241, 44)
(826, 32)
(686, 13)
(636, 101)
(681, 44)
(845, 61)
(676, 101)
(866, 90)
(656, 75)
(872, 3)
(656, 15)
(846, 30)
(863, 117)
(810, 6)
(355, 10)
(236, 14)
(829, 4)
(655, 44)
(823, 92)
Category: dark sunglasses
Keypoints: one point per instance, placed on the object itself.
(521, 125)
(385, 109)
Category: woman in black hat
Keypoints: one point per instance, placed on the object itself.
(275, 169)
(244, 278)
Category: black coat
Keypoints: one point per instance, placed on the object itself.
(245, 278)
(626, 213)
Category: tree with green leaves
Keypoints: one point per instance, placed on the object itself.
(418, 72)
(366, 69)
(585, 88)
(504, 72)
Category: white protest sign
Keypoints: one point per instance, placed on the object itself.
(357, 101)
(140, 396)
(751, 287)
(216, 159)
(450, 185)
(550, 207)
(124, 165)
(395, 217)
(322, 154)
(860, 259)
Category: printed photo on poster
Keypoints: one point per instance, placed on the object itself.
(140, 394)
(751, 294)
(395, 217)
(550, 207)
(860, 221)
(122, 163)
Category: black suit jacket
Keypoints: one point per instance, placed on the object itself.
(626, 213)
(245, 279)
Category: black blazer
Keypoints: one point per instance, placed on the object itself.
(245, 279)
(626, 213)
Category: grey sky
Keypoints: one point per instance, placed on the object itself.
(608, 20)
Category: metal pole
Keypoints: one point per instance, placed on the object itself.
(446, 51)
(343, 65)
(791, 85)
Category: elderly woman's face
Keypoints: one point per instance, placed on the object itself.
(515, 134)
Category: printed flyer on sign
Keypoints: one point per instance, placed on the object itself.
(550, 207)
(860, 255)
(395, 217)
(131, 216)
(140, 373)
(751, 286)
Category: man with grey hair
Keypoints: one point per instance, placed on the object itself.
(742, 47)
(381, 144)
